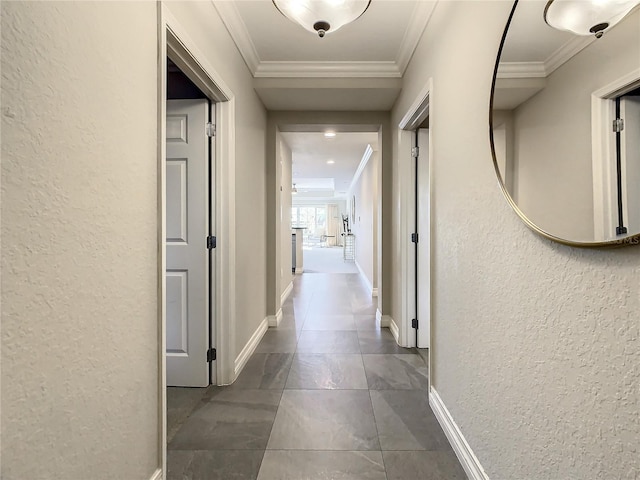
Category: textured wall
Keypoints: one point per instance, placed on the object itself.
(203, 24)
(536, 346)
(79, 230)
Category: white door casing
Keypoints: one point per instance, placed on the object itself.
(424, 240)
(630, 162)
(187, 227)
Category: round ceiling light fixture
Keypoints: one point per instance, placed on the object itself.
(329, 134)
(331, 162)
(586, 17)
(322, 16)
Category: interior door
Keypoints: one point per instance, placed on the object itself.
(630, 161)
(423, 249)
(187, 225)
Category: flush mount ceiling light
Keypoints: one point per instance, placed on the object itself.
(329, 134)
(331, 162)
(322, 16)
(586, 17)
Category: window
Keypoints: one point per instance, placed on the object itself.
(314, 218)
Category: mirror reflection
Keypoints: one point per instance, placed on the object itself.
(566, 126)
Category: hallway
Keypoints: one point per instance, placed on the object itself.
(326, 395)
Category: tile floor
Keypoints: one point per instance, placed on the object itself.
(327, 395)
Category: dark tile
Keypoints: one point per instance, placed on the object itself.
(230, 419)
(213, 465)
(423, 466)
(265, 371)
(278, 341)
(327, 371)
(380, 341)
(324, 420)
(396, 372)
(405, 421)
(319, 465)
(328, 342)
(326, 322)
(180, 403)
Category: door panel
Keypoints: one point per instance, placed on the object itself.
(187, 225)
(424, 241)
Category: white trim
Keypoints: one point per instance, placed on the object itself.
(238, 30)
(394, 330)
(374, 292)
(157, 475)
(383, 320)
(365, 279)
(274, 320)
(299, 271)
(566, 52)
(418, 109)
(286, 293)
(521, 70)
(268, 69)
(461, 447)
(418, 23)
(361, 166)
(250, 347)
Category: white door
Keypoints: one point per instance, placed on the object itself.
(424, 240)
(630, 161)
(187, 222)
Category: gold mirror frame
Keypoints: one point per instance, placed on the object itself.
(627, 241)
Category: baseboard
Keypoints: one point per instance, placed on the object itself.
(249, 348)
(286, 293)
(383, 320)
(394, 329)
(157, 475)
(374, 292)
(365, 279)
(299, 271)
(463, 451)
(274, 320)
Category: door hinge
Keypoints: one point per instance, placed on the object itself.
(415, 152)
(414, 323)
(211, 242)
(211, 355)
(211, 129)
(621, 230)
(618, 125)
(414, 238)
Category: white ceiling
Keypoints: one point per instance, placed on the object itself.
(313, 176)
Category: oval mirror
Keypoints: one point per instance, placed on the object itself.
(565, 127)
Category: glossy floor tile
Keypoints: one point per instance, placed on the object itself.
(396, 372)
(327, 371)
(324, 420)
(318, 465)
(326, 395)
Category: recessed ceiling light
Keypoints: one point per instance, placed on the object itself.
(331, 162)
(329, 134)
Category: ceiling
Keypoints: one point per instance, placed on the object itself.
(313, 176)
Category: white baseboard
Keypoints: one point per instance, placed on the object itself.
(463, 451)
(274, 320)
(366, 280)
(383, 320)
(374, 292)
(286, 293)
(157, 475)
(394, 329)
(299, 271)
(249, 348)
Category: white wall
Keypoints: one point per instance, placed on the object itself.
(79, 231)
(535, 345)
(79, 226)
(364, 226)
(206, 29)
(552, 134)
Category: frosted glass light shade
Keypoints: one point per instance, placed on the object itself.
(322, 16)
(586, 17)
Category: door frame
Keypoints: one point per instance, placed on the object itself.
(419, 110)
(174, 42)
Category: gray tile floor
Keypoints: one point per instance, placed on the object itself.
(327, 395)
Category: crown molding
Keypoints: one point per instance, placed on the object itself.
(238, 30)
(327, 69)
(522, 70)
(566, 52)
(363, 163)
(419, 20)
